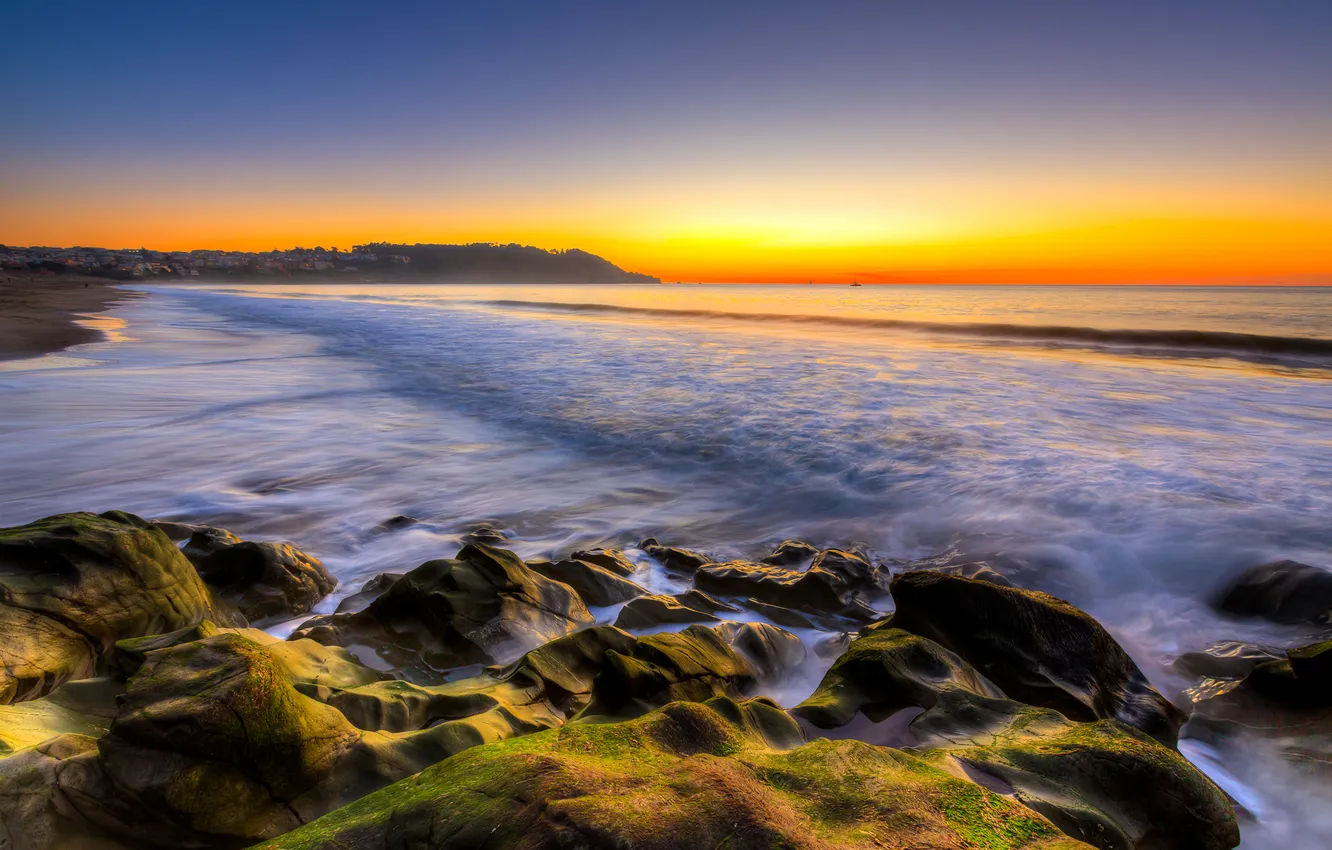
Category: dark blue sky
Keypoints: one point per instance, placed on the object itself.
(403, 102)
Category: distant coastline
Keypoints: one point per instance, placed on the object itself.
(472, 263)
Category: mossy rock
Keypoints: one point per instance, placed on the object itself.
(683, 561)
(1105, 783)
(484, 606)
(72, 585)
(83, 707)
(714, 774)
(1037, 648)
(651, 612)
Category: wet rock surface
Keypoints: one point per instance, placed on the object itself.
(977, 715)
(484, 605)
(72, 585)
(1039, 649)
(263, 580)
(1281, 591)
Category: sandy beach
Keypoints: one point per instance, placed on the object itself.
(38, 313)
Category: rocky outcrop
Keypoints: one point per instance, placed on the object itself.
(484, 605)
(1101, 782)
(263, 580)
(684, 561)
(1037, 648)
(834, 585)
(1287, 701)
(714, 774)
(1283, 592)
(594, 583)
(791, 552)
(648, 612)
(72, 585)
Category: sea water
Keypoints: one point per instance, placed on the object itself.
(1137, 445)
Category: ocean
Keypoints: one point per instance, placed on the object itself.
(1133, 446)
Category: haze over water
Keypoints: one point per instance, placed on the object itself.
(1132, 473)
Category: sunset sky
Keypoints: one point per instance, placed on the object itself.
(894, 141)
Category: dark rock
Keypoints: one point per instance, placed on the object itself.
(1226, 660)
(1283, 592)
(979, 570)
(779, 615)
(608, 559)
(72, 585)
(1039, 649)
(396, 523)
(647, 612)
(485, 605)
(176, 531)
(852, 569)
(884, 672)
(774, 653)
(791, 552)
(595, 584)
(485, 534)
(817, 590)
(369, 592)
(676, 560)
(689, 775)
(263, 580)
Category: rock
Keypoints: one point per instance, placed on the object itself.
(979, 570)
(396, 523)
(369, 592)
(263, 580)
(1227, 659)
(1104, 783)
(1038, 649)
(853, 569)
(484, 605)
(818, 590)
(176, 531)
(648, 612)
(676, 560)
(774, 653)
(694, 664)
(1283, 592)
(484, 534)
(779, 615)
(884, 672)
(608, 559)
(595, 584)
(1101, 782)
(83, 707)
(1288, 702)
(715, 774)
(564, 679)
(791, 552)
(72, 585)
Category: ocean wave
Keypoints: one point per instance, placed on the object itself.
(1199, 342)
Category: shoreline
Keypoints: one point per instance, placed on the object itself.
(39, 314)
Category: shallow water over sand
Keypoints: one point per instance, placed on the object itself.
(1137, 471)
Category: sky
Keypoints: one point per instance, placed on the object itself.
(939, 141)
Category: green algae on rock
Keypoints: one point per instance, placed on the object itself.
(71, 585)
(712, 774)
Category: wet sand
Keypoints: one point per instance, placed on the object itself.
(38, 313)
